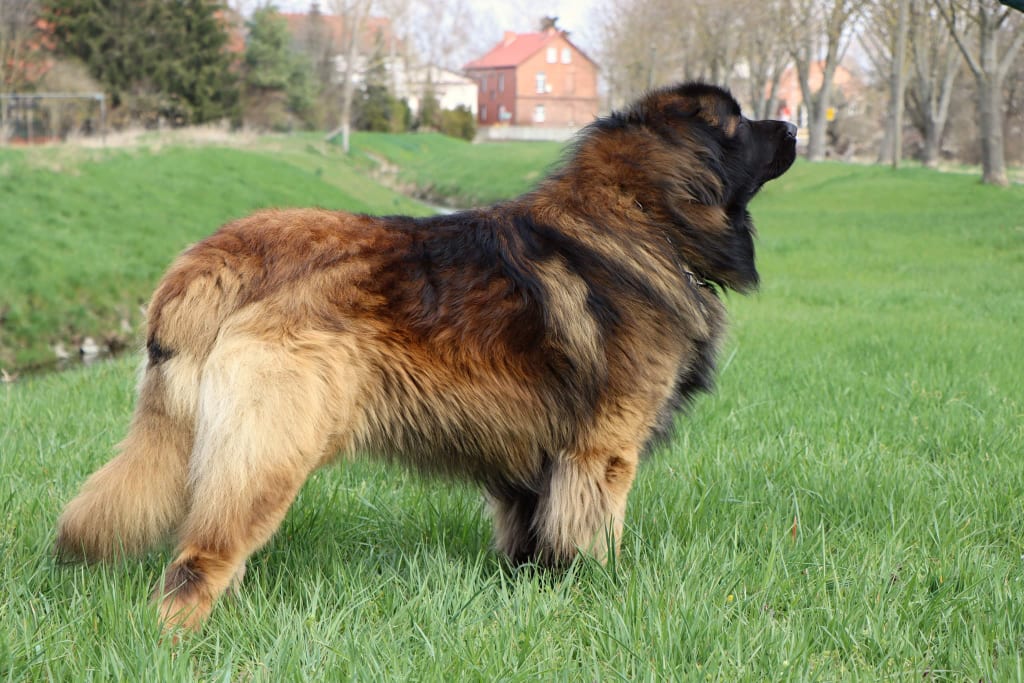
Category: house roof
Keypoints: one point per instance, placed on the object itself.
(516, 48)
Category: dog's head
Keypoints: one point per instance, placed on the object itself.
(698, 162)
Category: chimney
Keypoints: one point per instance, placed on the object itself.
(509, 37)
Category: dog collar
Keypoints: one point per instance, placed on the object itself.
(694, 280)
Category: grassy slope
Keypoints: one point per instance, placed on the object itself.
(847, 505)
(82, 247)
(463, 174)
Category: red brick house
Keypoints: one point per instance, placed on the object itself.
(535, 79)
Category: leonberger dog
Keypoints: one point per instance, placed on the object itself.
(537, 347)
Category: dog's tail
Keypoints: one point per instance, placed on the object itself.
(139, 497)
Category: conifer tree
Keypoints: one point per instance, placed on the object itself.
(278, 81)
(159, 57)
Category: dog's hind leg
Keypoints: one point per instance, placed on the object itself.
(584, 505)
(262, 428)
(138, 498)
(513, 514)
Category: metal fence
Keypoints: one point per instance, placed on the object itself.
(35, 118)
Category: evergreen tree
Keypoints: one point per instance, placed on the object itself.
(278, 81)
(375, 108)
(114, 38)
(197, 74)
(159, 57)
(430, 109)
(319, 48)
(268, 61)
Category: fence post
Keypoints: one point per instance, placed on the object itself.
(103, 118)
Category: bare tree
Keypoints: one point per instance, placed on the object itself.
(936, 63)
(399, 13)
(718, 37)
(17, 28)
(449, 32)
(634, 51)
(763, 25)
(986, 25)
(652, 42)
(820, 40)
(884, 37)
(353, 15)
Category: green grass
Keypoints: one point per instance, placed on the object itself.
(84, 238)
(451, 171)
(847, 505)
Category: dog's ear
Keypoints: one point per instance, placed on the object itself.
(687, 103)
(696, 120)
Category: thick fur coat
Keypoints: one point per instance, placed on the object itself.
(536, 347)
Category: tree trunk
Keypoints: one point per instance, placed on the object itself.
(932, 139)
(353, 18)
(348, 87)
(816, 131)
(836, 42)
(938, 113)
(885, 146)
(817, 112)
(990, 105)
(989, 69)
(897, 80)
(936, 63)
(765, 104)
(990, 119)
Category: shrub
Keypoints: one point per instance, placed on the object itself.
(458, 123)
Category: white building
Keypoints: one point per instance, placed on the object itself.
(451, 89)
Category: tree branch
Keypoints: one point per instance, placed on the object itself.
(950, 19)
(1011, 52)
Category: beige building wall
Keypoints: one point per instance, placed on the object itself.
(557, 86)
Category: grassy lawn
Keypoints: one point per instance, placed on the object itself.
(847, 505)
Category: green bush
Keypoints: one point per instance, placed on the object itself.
(458, 123)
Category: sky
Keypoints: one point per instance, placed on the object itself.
(523, 15)
(490, 19)
(497, 16)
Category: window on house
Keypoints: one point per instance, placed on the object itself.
(538, 113)
(501, 82)
(552, 55)
(483, 112)
(483, 83)
(542, 82)
(566, 55)
(504, 114)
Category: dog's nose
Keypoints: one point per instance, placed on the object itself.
(790, 129)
